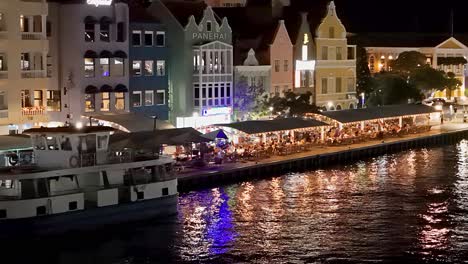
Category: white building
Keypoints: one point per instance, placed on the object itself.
(24, 48)
(91, 44)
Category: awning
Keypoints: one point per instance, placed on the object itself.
(90, 19)
(373, 113)
(120, 88)
(91, 89)
(106, 89)
(105, 54)
(120, 54)
(105, 20)
(264, 126)
(215, 134)
(132, 122)
(90, 54)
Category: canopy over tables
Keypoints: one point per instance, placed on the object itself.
(215, 134)
(373, 113)
(265, 126)
(147, 139)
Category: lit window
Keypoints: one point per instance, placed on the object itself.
(118, 67)
(25, 98)
(304, 52)
(25, 66)
(105, 101)
(38, 98)
(160, 38)
(149, 98)
(160, 97)
(53, 100)
(161, 66)
(119, 101)
(90, 100)
(89, 67)
(136, 68)
(2, 66)
(149, 68)
(136, 98)
(136, 38)
(104, 63)
(148, 38)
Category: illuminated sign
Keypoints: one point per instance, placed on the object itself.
(217, 111)
(209, 36)
(99, 2)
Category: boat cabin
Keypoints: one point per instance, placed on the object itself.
(70, 147)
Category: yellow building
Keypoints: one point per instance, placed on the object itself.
(442, 52)
(335, 71)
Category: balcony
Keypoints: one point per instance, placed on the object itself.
(33, 111)
(3, 74)
(33, 74)
(32, 36)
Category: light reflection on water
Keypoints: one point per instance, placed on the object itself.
(410, 207)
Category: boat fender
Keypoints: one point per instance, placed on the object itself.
(13, 159)
(74, 161)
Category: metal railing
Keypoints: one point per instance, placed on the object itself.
(32, 111)
(32, 35)
(33, 74)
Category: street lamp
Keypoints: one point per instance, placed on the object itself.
(271, 111)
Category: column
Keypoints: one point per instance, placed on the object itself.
(362, 125)
(322, 134)
(44, 26)
(400, 121)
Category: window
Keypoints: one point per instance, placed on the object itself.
(3, 213)
(48, 28)
(208, 26)
(165, 191)
(89, 32)
(149, 68)
(136, 38)
(286, 66)
(331, 32)
(41, 210)
(160, 38)
(38, 98)
(105, 67)
(105, 101)
(136, 98)
(324, 53)
(118, 67)
(2, 62)
(65, 144)
(160, 97)
(350, 84)
(277, 65)
(371, 63)
(53, 100)
(120, 32)
(338, 84)
(104, 32)
(324, 85)
(90, 100)
(350, 53)
(51, 143)
(339, 53)
(148, 38)
(277, 90)
(25, 98)
(25, 66)
(161, 65)
(89, 67)
(72, 205)
(140, 195)
(3, 100)
(149, 98)
(119, 101)
(304, 52)
(303, 78)
(102, 142)
(136, 68)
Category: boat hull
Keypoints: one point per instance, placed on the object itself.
(93, 218)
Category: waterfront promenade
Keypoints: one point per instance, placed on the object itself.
(193, 175)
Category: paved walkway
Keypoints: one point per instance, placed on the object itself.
(435, 130)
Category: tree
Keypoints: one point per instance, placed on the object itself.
(391, 88)
(452, 84)
(246, 97)
(289, 105)
(363, 75)
(408, 62)
(428, 79)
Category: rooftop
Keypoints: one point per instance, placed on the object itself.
(69, 130)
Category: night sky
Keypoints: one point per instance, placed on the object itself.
(398, 15)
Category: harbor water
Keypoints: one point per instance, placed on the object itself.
(410, 206)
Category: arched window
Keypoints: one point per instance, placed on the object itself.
(332, 108)
(331, 32)
(338, 107)
(351, 106)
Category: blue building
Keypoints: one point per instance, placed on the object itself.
(148, 59)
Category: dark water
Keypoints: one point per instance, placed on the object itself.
(411, 207)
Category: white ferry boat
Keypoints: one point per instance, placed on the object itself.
(74, 180)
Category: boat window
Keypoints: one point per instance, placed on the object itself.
(102, 142)
(66, 144)
(39, 142)
(72, 205)
(41, 210)
(3, 213)
(8, 184)
(165, 191)
(52, 143)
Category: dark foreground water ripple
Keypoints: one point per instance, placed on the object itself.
(409, 207)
